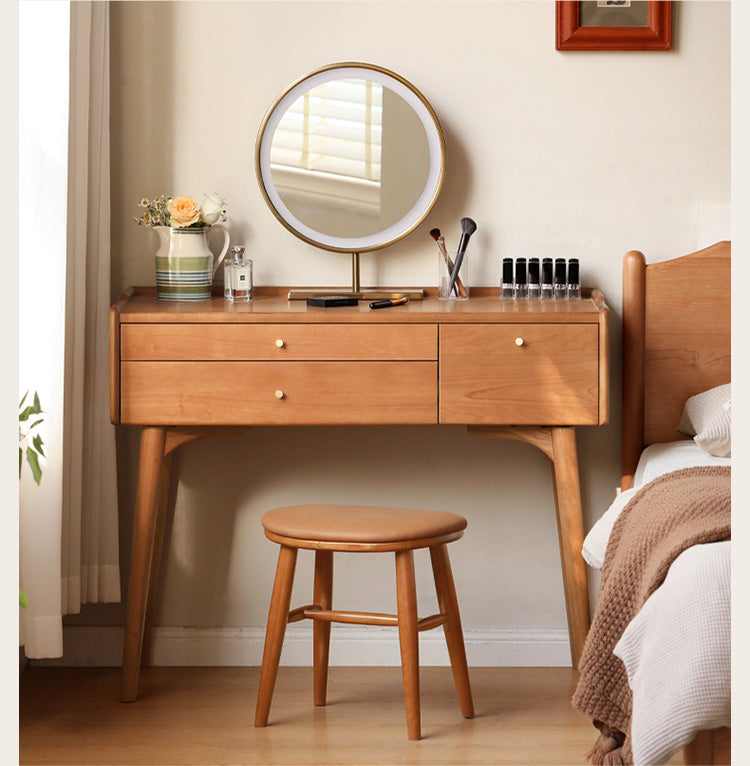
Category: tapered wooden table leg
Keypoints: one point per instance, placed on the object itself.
(149, 468)
(322, 596)
(570, 533)
(409, 640)
(156, 557)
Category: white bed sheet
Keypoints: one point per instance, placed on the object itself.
(677, 653)
(676, 650)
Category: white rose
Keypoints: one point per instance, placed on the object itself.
(212, 208)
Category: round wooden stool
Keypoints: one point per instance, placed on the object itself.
(329, 528)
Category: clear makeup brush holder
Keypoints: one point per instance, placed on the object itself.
(460, 291)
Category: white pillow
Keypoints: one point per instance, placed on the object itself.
(707, 417)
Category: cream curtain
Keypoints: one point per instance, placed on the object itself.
(90, 556)
(68, 524)
(43, 134)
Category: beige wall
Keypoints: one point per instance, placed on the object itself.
(553, 154)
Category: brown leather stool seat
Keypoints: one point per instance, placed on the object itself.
(359, 524)
(353, 528)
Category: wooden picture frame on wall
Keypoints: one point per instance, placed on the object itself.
(574, 34)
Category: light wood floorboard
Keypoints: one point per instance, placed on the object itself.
(205, 716)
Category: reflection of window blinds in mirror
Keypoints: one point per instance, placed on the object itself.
(334, 128)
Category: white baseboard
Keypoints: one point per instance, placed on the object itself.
(350, 646)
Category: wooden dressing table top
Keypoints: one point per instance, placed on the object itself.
(140, 304)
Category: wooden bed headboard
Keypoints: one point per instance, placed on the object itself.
(676, 340)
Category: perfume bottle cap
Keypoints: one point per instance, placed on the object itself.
(573, 272)
(534, 271)
(520, 271)
(507, 270)
(237, 252)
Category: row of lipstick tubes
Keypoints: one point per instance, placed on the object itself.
(560, 283)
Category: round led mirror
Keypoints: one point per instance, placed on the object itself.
(350, 157)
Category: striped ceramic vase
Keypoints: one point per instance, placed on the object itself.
(185, 265)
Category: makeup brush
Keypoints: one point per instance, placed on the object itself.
(468, 227)
(459, 288)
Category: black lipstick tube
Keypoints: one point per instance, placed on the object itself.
(534, 286)
(546, 291)
(522, 288)
(506, 284)
(574, 280)
(560, 284)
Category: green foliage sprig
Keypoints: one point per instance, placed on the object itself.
(35, 448)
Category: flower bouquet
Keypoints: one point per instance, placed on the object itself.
(182, 212)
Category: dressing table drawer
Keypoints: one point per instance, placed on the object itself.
(278, 393)
(206, 342)
(520, 374)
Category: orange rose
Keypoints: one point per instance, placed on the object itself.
(183, 211)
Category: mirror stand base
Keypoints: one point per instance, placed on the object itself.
(356, 291)
(301, 294)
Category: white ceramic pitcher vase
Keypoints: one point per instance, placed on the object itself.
(185, 265)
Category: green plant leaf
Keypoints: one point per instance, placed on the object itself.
(32, 409)
(33, 461)
(24, 415)
(22, 600)
(36, 423)
(37, 442)
(23, 399)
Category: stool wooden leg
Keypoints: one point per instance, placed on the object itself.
(409, 639)
(278, 614)
(322, 596)
(454, 637)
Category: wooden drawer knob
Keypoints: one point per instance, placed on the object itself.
(279, 394)
(280, 343)
(519, 341)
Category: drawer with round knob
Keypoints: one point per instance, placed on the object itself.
(519, 374)
(293, 342)
(278, 393)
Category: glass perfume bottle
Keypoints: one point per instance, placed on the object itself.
(238, 276)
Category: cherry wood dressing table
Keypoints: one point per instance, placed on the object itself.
(528, 370)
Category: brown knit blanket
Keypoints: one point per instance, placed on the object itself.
(668, 515)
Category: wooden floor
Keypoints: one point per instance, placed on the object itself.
(205, 715)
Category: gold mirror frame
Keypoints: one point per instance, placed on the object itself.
(377, 240)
